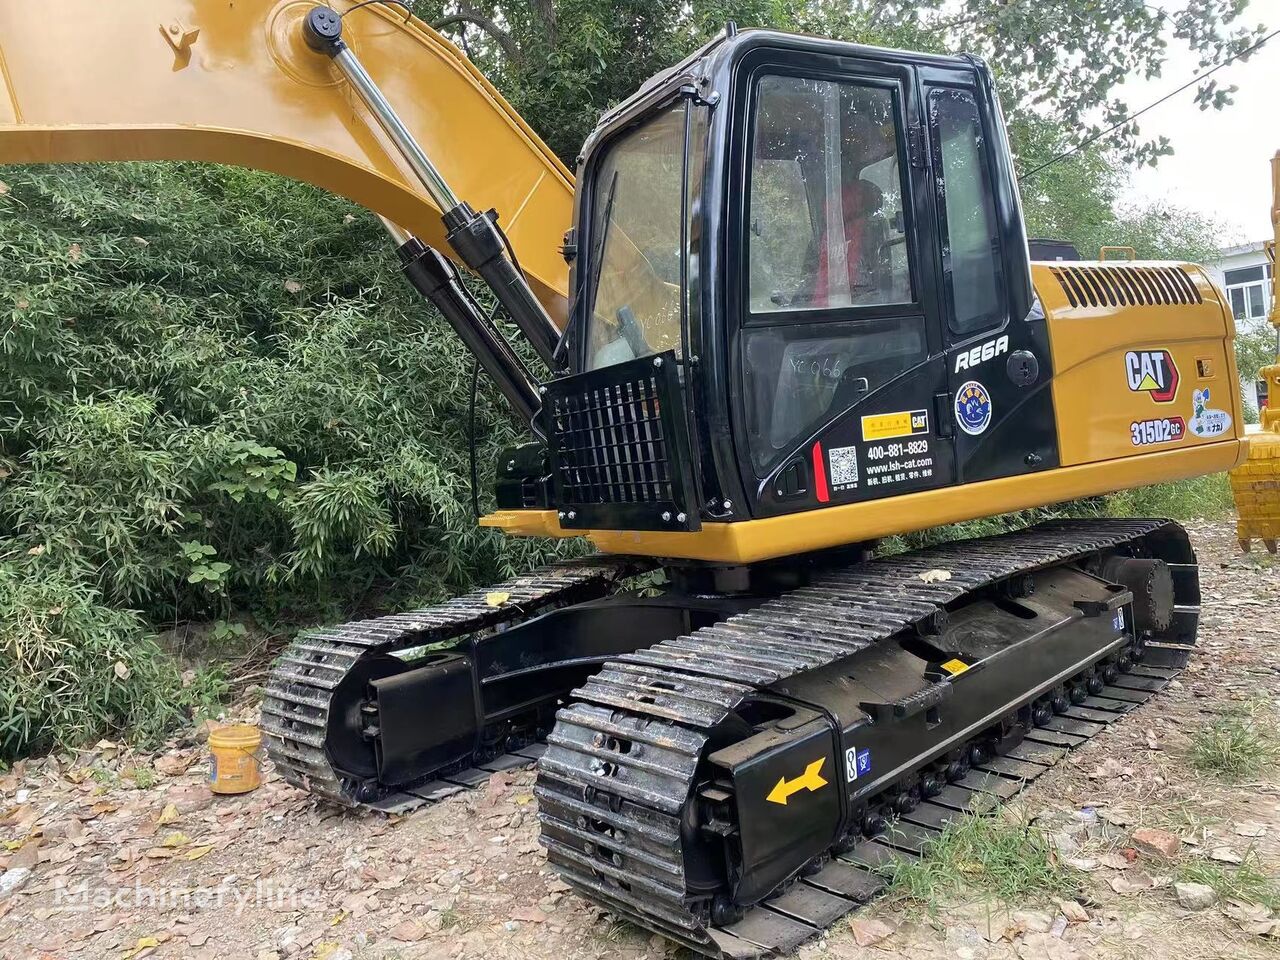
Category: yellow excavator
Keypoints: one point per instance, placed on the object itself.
(785, 308)
(1255, 484)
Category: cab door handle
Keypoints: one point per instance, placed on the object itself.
(942, 414)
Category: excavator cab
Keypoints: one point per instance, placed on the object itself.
(824, 241)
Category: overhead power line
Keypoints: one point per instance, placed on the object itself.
(1134, 116)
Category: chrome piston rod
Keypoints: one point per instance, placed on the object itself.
(475, 237)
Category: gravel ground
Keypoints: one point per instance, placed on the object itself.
(120, 854)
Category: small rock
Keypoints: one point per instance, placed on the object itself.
(1134, 881)
(1108, 770)
(202, 730)
(1117, 818)
(1073, 911)
(1065, 843)
(1033, 921)
(173, 764)
(189, 798)
(1115, 861)
(12, 879)
(1160, 843)
(1250, 829)
(869, 931)
(1225, 855)
(408, 931)
(1195, 896)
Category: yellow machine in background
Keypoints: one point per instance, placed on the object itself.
(1255, 484)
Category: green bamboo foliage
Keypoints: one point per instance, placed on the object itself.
(217, 399)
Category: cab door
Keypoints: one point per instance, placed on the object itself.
(834, 320)
(998, 362)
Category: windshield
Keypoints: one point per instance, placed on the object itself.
(638, 233)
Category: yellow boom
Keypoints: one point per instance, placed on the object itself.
(234, 82)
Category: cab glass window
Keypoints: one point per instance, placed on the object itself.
(825, 215)
(637, 237)
(799, 375)
(970, 241)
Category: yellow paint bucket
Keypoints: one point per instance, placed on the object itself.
(233, 759)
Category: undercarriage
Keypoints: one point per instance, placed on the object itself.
(741, 758)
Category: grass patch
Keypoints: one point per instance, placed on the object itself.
(453, 920)
(1237, 744)
(617, 932)
(1197, 498)
(1002, 855)
(1242, 882)
(144, 778)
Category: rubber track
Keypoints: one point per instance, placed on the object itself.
(636, 734)
(299, 694)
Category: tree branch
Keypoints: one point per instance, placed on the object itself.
(504, 40)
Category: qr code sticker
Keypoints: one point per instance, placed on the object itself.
(844, 466)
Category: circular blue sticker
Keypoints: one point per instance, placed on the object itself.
(973, 408)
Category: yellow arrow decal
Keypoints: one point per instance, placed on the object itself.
(810, 780)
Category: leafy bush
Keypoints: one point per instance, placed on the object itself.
(216, 395)
(216, 357)
(73, 666)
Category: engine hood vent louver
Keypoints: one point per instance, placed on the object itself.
(1125, 286)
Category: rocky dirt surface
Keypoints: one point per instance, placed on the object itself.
(119, 854)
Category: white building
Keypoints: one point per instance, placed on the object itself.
(1245, 273)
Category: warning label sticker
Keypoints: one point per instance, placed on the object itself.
(903, 423)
